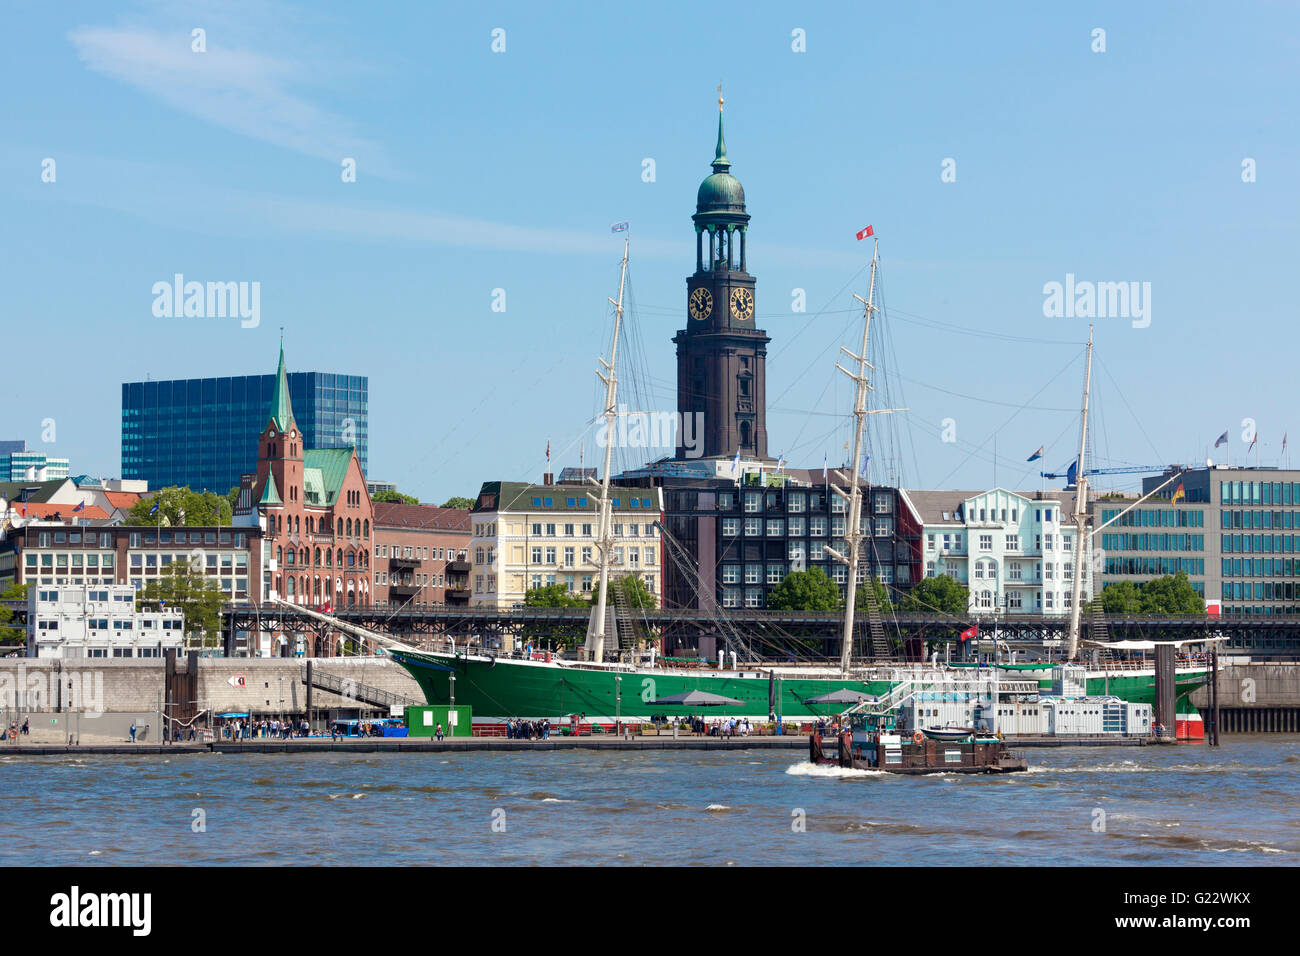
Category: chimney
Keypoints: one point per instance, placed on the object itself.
(548, 478)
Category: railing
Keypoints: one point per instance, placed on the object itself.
(355, 690)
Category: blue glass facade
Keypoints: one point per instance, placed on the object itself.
(202, 432)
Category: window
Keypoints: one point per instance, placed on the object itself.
(753, 527)
(817, 526)
(731, 526)
(986, 542)
(1013, 542)
(775, 527)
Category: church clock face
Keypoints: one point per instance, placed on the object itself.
(742, 304)
(701, 304)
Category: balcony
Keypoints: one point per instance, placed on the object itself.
(405, 563)
(458, 567)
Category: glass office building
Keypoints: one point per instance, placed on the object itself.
(202, 432)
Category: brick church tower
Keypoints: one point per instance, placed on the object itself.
(720, 355)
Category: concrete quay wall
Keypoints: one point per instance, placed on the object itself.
(260, 686)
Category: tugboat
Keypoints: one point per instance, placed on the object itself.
(873, 742)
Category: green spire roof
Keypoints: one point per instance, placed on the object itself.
(720, 162)
(270, 494)
(720, 192)
(281, 408)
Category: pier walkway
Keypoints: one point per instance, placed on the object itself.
(494, 744)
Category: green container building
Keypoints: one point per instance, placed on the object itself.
(423, 721)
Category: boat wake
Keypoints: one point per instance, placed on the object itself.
(829, 772)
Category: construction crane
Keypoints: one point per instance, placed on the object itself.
(1071, 473)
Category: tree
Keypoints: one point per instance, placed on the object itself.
(1170, 594)
(183, 586)
(633, 591)
(882, 597)
(179, 506)
(809, 590)
(12, 635)
(394, 497)
(943, 594)
(553, 595)
(459, 502)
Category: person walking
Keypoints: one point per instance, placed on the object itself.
(27, 726)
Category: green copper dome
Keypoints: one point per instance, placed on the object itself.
(720, 192)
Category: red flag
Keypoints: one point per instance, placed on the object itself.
(548, 449)
(970, 632)
(866, 232)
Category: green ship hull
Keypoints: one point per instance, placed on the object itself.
(497, 689)
(501, 688)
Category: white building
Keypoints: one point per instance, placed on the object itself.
(89, 621)
(530, 536)
(1013, 550)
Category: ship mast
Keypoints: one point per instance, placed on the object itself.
(605, 540)
(853, 533)
(1080, 513)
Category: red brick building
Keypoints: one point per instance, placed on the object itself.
(421, 554)
(315, 511)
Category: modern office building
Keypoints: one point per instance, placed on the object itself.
(531, 536)
(17, 463)
(203, 432)
(1013, 550)
(79, 621)
(1234, 530)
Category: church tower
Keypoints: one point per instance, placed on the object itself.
(720, 355)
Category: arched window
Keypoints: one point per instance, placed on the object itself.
(744, 434)
(279, 555)
(349, 527)
(318, 557)
(340, 527)
(339, 557)
(352, 560)
(365, 528)
(291, 588)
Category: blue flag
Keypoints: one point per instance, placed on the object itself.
(1223, 440)
(1036, 455)
(619, 226)
(154, 508)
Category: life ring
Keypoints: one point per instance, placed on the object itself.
(917, 737)
(13, 735)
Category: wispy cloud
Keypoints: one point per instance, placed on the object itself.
(242, 90)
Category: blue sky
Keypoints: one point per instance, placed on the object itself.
(479, 170)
